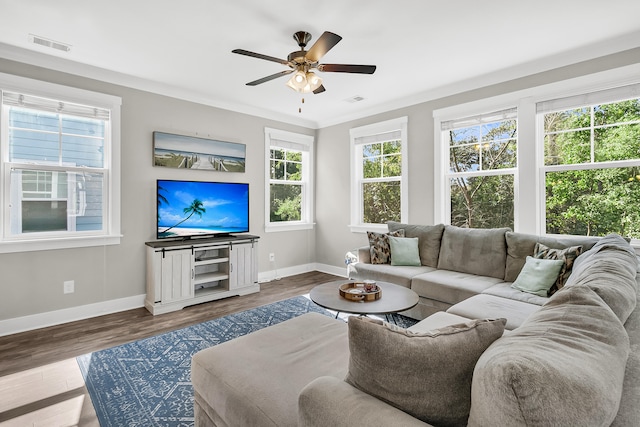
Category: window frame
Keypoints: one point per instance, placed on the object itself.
(530, 179)
(275, 138)
(479, 119)
(399, 124)
(110, 233)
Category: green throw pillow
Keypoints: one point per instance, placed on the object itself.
(538, 275)
(404, 251)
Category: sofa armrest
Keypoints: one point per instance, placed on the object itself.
(329, 401)
(364, 254)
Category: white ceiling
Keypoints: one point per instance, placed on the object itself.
(423, 48)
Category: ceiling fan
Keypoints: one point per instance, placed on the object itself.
(302, 63)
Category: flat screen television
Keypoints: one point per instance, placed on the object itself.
(190, 209)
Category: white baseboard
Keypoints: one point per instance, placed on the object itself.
(269, 276)
(51, 318)
(57, 317)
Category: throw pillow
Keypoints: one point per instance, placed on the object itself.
(567, 255)
(404, 251)
(379, 246)
(426, 374)
(538, 276)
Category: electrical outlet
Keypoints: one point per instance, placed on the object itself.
(272, 257)
(69, 286)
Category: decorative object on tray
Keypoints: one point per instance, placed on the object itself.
(360, 291)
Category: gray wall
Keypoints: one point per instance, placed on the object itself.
(31, 282)
(333, 237)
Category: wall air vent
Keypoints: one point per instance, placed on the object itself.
(354, 99)
(49, 43)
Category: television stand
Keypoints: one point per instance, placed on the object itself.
(181, 273)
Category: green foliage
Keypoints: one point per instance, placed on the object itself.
(381, 202)
(285, 203)
(483, 201)
(594, 201)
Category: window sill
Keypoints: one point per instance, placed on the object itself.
(274, 228)
(363, 228)
(58, 243)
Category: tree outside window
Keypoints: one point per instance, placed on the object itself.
(592, 169)
(382, 172)
(379, 187)
(482, 164)
(289, 181)
(286, 185)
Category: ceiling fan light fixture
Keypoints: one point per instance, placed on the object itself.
(304, 82)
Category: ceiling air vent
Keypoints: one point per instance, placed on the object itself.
(354, 99)
(49, 43)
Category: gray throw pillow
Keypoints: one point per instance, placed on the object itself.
(404, 251)
(379, 246)
(538, 276)
(474, 250)
(426, 374)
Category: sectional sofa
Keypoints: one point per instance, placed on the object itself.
(497, 356)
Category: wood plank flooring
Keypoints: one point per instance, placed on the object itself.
(39, 384)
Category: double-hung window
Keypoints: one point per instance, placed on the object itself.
(482, 160)
(289, 188)
(591, 170)
(58, 183)
(379, 174)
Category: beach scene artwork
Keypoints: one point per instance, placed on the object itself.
(190, 152)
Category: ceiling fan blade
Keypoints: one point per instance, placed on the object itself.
(271, 77)
(319, 90)
(260, 56)
(324, 44)
(347, 68)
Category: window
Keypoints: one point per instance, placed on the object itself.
(289, 188)
(573, 164)
(59, 182)
(482, 152)
(378, 179)
(592, 163)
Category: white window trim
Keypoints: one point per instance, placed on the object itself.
(112, 164)
(357, 226)
(307, 222)
(528, 216)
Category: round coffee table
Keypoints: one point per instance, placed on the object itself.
(394, 298)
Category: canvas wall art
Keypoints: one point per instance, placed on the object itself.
(190, 152)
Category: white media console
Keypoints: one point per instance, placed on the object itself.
(183, 273)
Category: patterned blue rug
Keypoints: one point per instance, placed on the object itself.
(147, 382)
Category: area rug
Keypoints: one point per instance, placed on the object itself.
(147, 382)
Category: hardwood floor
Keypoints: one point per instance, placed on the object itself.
(40, 381)
(31, 349)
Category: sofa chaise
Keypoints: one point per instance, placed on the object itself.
(572, 358)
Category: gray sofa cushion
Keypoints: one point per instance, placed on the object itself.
(564, 366)
(610, 269)
(473, 250)
(521, 245)
(505, 290)
(483, 306)
(450, 286)
(255, 380)
(396, 274)
(429, 237)
(425, 374)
